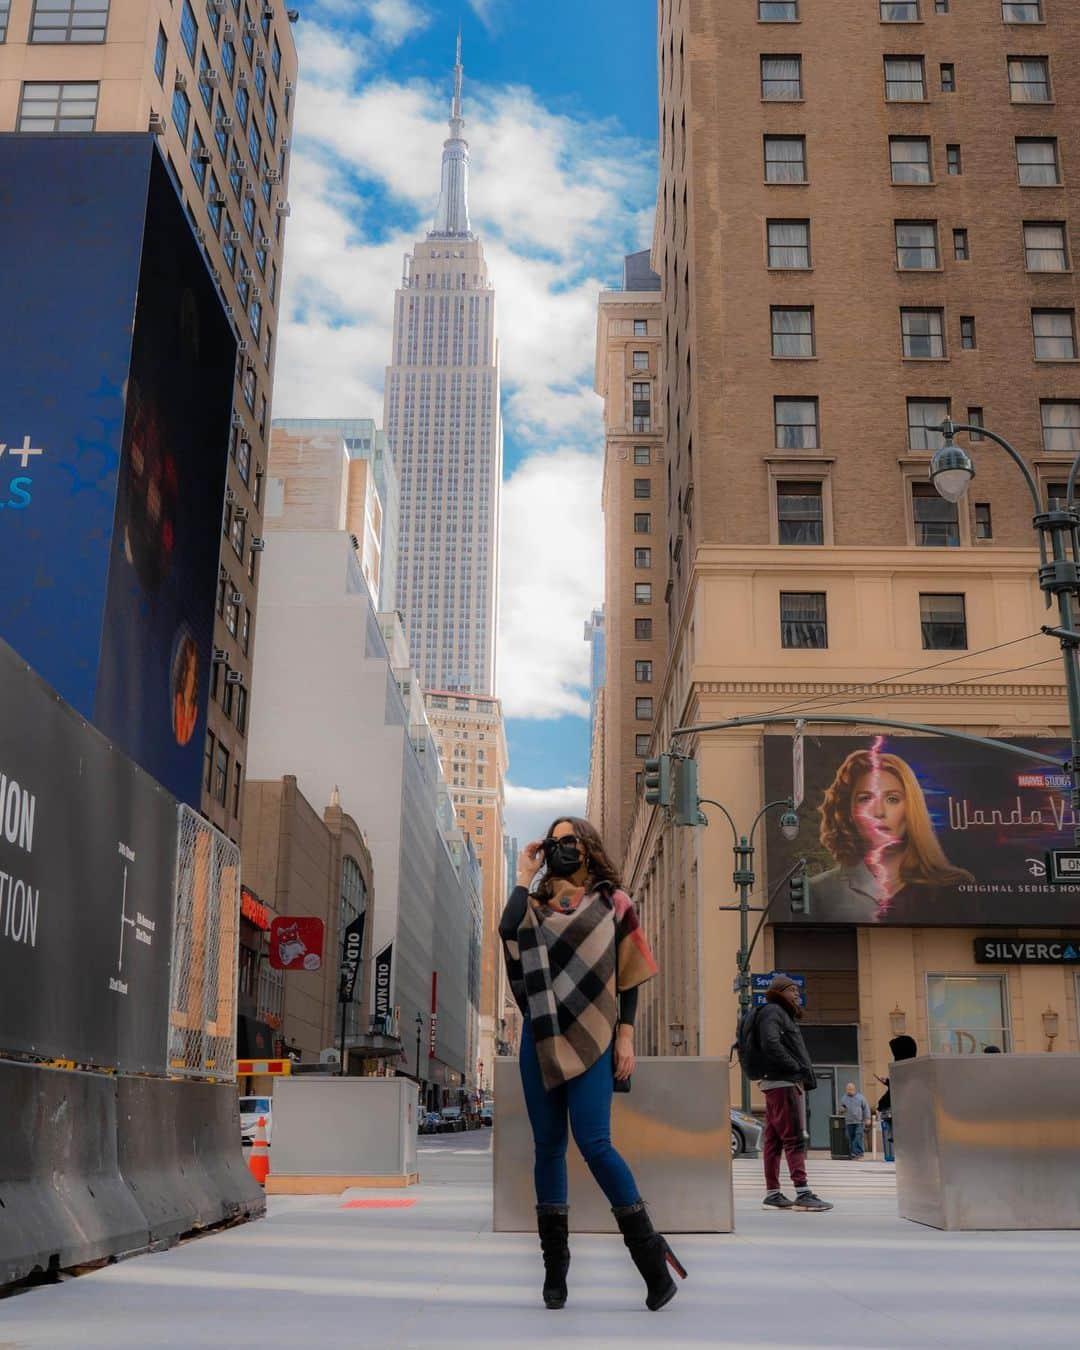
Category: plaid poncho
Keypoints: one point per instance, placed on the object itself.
(566, 970)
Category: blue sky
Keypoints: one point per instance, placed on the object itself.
(560, 108)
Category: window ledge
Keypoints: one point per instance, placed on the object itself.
(925, 360)
(771, 101)
(908, 102)
(802, 271)
(794, 358)
(1056, 360)
(933, 182)
(1045, 272)
(1041, 187)
(918, 271)
(805, 182)
(1032, 103)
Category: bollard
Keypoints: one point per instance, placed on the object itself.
(259, 1161)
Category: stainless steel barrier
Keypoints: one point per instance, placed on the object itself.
(988, 1141)
(673, 1129)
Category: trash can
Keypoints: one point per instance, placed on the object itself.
(838, 1144)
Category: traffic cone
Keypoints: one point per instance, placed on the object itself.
(259, 1157)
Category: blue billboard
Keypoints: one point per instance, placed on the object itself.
(115, 401)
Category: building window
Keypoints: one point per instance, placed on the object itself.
(221, 774)
(641, 360)
(643, 672)
(799, 513)
(802, 619)
(161, 53)
(643, 557)
(642, 454)
(642, 488)
(58, 107)
(237, 780)
(1037, 161)
(1044, 246)
(984, 527)
(189, 30)
(909, 157)
(975, 419)
(198, 164)
(966, 1013)
(792, 332)
(643, 593)
(923, 415)
(642, 522)
(960, 245)
(916, 245)
(643, 709)
(778, 11)
(275, 59)
(181, 113)
(905, 79)
(941, 6)
(948, 78)
(206, 89)
(967, 332)
(642, 405)
(922, 333)
(781, 78)
(937, 522)
(789, 243)
(796, 423)
(641, 744)
(643, 630)
(1021, 11)
(1029, 79)
(953, 162)
(899, 11)
(1055, 334)
(944, 622)
(75, 21)
(641, 328)
(208, 761)
(1057, 495)
(785, 159)
(236, 538)
(1060, 425)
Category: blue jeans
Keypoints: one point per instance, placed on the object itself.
(887, 1138)
(585, 1103)
(855, 1139)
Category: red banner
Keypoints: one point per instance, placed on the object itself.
(296, 944)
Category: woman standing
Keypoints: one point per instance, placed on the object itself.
(575, 955)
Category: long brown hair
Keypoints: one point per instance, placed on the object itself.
(923, 862)
(602, 871)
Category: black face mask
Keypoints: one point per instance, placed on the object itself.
(563, 857)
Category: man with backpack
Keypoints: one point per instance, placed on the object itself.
(776, 1051)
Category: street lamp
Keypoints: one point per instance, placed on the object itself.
(419, 1036)
(951, 472)
(677, 1032)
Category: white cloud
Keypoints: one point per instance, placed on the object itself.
(529, 811)
(395, 20)
(552, 574)
(485, 11)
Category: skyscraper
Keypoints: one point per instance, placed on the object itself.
(443, 424)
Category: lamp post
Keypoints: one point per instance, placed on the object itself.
(419, 1037)
(744, 877)
(951, 472)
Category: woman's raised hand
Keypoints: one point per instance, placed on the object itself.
(530, 860)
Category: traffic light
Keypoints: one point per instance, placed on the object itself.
(686, 810)
(799, 891)
(658, 781)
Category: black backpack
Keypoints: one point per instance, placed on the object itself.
(747, 1046)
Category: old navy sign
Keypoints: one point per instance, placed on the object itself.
(994, 951)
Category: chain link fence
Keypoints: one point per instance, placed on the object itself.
(202, 1003)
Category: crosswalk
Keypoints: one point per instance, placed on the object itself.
(828, 1176)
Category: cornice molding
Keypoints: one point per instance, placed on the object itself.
(844, 692)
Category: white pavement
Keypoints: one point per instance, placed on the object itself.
(433, 1275)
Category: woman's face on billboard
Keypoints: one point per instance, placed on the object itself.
(878, 808)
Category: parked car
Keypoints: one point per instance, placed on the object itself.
(746, 1132)
(430, 1122)
(487, 1115)
(251, 1108)
(452, 1119)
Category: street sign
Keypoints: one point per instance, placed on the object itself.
(798, 774)
(996, 951)
(1063, 866)
(760, 984)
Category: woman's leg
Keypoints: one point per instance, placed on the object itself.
(589, 1101)
(547, 1116)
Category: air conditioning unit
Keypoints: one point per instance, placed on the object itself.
(329, 1056)
(256, 292)
(237, 420)
(257, 545)
(203, 154)
(223, 572)
(234, 677)
(283, 209)
(229, 31)
(217, 6)
(250, 363)
(225, 124)
(221, 656)
(234, 236)
(211, 78)
(265, 241)
(243, 345)
(243, 80)
(181, 82)
(290, 85)
(268, 11)
(241, 513)
(217, 198)
(157, 124)
(200, 235)
(260, 58)
(229, 311)
(273, 175)
(237, 597)
(293, 15)
(248, 273)
(249, 188)
(240, 166)
(284, 142)
(251, 28)
(230, 494)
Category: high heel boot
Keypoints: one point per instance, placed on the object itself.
(553, 1224)
(650, 1252)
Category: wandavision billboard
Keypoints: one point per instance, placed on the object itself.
(904, 830)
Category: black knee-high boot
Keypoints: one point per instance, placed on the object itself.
(650, 1252)
(553, 1224)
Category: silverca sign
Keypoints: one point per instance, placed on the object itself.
(996, 951)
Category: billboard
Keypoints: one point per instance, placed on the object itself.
(87, 873)
(903, 830)
(115, 400)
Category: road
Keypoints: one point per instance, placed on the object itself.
(428, 1272)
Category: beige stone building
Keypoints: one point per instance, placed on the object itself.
(861, 227)
(629, 374)
(469, 734)
(216, 82)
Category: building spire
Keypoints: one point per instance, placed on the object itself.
(452, 213)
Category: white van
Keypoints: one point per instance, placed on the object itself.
(251, 1108)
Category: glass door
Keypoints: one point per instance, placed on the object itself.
(820, 1105)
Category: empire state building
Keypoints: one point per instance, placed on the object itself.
(444, 427)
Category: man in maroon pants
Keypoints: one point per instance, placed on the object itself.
(788, 1074)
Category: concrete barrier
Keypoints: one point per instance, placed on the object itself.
(673, 1129)
(179, 1152)
(63, 1201)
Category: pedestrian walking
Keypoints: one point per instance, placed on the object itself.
(856, 1112)
(902, 1047)
(575, 956)
(787, 1076)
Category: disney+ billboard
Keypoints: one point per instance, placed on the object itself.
(924, 831)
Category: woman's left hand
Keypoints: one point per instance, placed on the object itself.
(624, 1053)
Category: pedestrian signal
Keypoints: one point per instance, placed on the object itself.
(658, 781)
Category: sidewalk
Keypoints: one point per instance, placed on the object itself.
(433, 1275)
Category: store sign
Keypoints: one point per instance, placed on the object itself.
(383, 963)
(254, 910)
(296, 944)
(992, 951)
(921, 830)
(351, 950)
